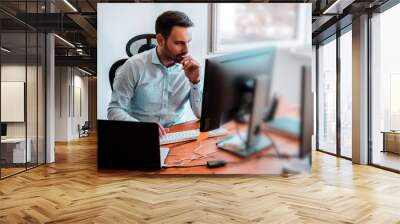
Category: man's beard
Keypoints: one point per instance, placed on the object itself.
(176, 58)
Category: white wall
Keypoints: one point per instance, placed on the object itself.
(118, 22)
(61, 103)
(67, 116)
(80, 83)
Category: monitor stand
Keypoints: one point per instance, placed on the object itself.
(238, 145)
(246, 144)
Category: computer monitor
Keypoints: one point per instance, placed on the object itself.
(229, 84)
(3, 129)
(235, 85)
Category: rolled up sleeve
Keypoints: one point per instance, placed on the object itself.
(196, 99)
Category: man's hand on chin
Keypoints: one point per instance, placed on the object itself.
(191, 68)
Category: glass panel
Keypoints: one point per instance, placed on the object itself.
(346, 94)
(32, 96)
(41, 98)
(13, 87)
(14, 5)
(31, 86)
(327, 97)
(23, 88)
(385, 84)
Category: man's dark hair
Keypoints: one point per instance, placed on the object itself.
(166, 21)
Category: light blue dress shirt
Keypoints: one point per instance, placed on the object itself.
(145, 90)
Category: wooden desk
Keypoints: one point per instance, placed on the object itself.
(204, 149)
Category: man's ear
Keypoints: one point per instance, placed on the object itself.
(160, 39)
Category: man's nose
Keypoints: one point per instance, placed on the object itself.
(186, 47)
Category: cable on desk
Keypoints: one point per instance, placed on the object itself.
(221, 163)
(210, 164)
(194, 157)
(184, 166)
(274, 146)
(239, 134)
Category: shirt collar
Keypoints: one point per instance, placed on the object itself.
(154, 57)
(156, 60)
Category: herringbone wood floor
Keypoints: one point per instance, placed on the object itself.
(73, 191)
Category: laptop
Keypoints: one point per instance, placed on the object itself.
(129, 145)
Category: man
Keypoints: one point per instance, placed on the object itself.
(154, 86)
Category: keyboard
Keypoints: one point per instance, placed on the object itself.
(184, 136)
(217, 132)
(180, 136)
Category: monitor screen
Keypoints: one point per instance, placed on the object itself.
(229, 82)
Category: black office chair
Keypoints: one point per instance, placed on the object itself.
(135, 45)
(140, 43)
(113, 70)
(84, 130)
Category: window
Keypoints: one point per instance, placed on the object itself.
(327, 97)
(394, 101)
(385, 89)
(238, 26)
(346, 94)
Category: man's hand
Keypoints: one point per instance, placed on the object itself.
(191, 68)
(163, 131)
